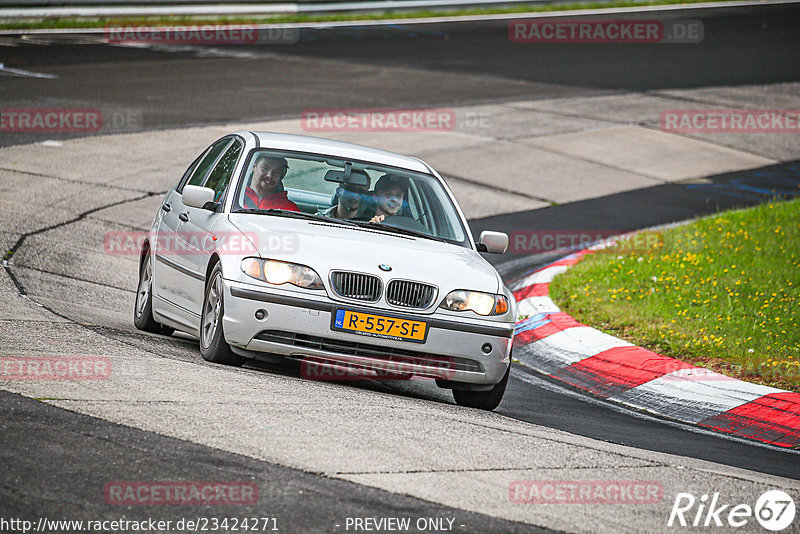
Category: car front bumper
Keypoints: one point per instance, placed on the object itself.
(300, 327)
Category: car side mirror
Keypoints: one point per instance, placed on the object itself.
(493, 242)
(197, 197)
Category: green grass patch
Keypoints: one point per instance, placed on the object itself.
(722, 293)
(50, 23)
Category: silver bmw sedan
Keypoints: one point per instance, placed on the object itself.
(334, 254)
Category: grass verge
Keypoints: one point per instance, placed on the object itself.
(722, 293)
(52, 23)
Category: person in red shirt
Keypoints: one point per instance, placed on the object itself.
(266, 185)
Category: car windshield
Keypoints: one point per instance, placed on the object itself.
(349, 192)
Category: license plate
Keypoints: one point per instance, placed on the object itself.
(380, 326)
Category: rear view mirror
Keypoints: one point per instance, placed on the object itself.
(195, 196)
(342, 177)
(493, 242)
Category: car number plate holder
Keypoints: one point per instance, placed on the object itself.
(380, 326)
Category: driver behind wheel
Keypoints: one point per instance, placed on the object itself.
(390, 195)
(266, 185)
(348, 200)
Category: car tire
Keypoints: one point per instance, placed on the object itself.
(143, 307)
(484, 400)
(213, 346)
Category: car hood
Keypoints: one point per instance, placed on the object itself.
(330, 246)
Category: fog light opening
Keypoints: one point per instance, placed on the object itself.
(261, 315)
(486, 348)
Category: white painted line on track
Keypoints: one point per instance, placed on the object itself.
(567, 347)
(536, 305)
(545, 276)
(585, 340)
(27, 73)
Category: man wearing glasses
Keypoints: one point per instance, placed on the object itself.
(266, 185)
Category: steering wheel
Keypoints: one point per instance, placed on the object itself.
(407, 223)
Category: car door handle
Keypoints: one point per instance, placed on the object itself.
(184, 217)
(166, 207)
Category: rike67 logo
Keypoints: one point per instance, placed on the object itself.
(774, 510)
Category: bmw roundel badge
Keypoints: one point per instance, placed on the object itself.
(384, 267)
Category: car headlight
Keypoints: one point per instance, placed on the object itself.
(280, 272)
(480, 303)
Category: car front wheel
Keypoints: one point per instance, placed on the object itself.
(212, 340)
(484, 400)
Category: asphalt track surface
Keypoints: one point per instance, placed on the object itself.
(61, 477)
(391, 66)
(344, 68)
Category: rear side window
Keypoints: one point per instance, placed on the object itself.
(220, 176)
(200, 171)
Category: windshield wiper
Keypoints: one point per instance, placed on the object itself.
(289, 213)
(282, 213)
(397, 230)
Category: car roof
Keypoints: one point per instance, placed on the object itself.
(329, 147)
